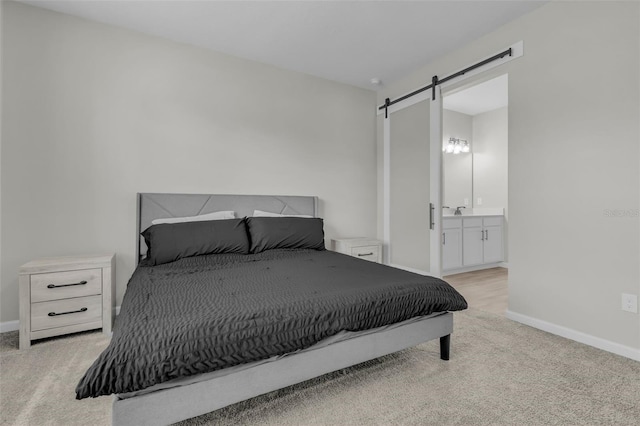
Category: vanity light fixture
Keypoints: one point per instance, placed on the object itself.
(456, 146)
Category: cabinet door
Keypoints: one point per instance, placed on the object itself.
(451, 248)
(493, 250)
(472, 242)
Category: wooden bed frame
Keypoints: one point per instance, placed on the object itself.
(179, 403)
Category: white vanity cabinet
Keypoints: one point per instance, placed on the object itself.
(493, 242)
(472, 241)
(451, 243)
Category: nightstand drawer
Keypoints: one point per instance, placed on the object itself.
(64, 285)
(366, 252)
(59, 313)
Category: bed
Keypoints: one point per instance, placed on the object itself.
(283, 313)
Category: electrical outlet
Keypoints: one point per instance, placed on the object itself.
(466, 201)
(479, 201)
(630, 303)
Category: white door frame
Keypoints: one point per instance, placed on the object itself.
(435, 150)
(435, 183)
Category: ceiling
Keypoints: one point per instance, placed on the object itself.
(483, 97)
(345, 41)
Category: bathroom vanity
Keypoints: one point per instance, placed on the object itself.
(472, 242)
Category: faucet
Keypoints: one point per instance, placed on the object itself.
(458, 212)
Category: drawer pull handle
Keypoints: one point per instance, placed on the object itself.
(66, 285)
(54, 314)
(365, 254)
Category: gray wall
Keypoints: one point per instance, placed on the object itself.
(573, 159)
(491, 163)
(93, 114)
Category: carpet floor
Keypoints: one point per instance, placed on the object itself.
(500, 373)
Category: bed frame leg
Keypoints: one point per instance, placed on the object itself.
(445, 344)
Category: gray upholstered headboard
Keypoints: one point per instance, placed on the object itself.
(156, 206)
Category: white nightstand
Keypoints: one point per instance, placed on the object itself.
(362, 248)
(61, 295)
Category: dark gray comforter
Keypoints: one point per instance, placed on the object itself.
(205, 313)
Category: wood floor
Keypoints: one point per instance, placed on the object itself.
(485, 290)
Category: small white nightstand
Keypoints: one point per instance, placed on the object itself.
(362, 248)
(61, 295)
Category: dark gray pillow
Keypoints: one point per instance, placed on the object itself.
(168, 242)
(269, 233)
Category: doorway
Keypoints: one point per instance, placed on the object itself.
(475, 214)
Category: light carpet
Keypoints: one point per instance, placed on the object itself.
(500, 373)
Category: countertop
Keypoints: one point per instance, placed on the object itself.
(476, 212)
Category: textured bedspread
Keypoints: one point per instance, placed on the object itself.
(206, 313)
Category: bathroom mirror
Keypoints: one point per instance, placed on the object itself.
(458, 180)
(457, 168)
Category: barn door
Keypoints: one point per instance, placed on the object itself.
(412, 164)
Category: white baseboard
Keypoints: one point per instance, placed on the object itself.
(578, 336)
(15, 325)
(9, 326)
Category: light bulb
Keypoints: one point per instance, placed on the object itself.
(449, 148)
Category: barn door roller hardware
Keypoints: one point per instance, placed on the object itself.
(435, 82)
